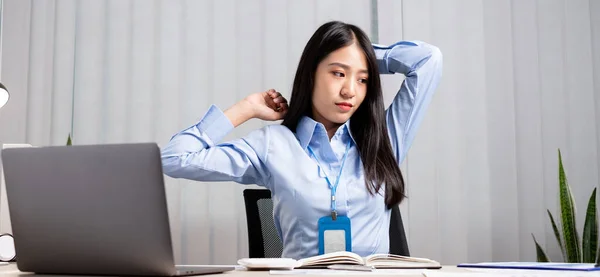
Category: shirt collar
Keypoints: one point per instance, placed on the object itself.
(308, 127)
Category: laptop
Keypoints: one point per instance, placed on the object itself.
(92, 210)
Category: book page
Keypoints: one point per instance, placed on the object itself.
(398, 257)
(376, 272)
(390, 260)
(341, 257)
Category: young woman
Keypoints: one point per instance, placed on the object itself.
(332, 166)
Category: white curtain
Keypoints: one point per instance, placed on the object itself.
(521, 79)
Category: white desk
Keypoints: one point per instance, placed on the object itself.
(12, 271)
(445, 269)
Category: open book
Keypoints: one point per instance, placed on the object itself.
(342, 257)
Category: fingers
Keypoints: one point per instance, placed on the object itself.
(273, 93)
(278, 102)
(283, 107)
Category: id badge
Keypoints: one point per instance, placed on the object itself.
(334, 235)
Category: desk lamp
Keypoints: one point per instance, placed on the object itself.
(3, 95)
(7, 247)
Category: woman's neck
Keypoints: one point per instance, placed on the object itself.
(331, 130)
(330, 127)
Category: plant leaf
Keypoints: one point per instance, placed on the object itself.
(567, 212)
(69, 142)
(557, 235)
(541, 256)
(598, 257)
(589, 240)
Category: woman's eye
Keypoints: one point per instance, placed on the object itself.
(338, 74)
(364, 81)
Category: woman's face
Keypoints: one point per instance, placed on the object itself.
(340, 85)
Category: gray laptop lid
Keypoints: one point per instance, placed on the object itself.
(93, 209)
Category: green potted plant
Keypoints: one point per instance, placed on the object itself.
(571, 249)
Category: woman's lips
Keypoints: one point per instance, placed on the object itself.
(344, 106)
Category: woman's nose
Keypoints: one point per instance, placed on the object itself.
(348, 90)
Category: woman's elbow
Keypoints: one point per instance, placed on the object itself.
(435, 53)
(171, 166)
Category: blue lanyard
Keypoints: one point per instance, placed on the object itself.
(333, 187)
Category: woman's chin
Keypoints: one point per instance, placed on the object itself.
(340, 118)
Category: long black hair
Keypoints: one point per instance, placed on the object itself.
(367, 124)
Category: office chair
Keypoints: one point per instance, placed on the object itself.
(398, 242)
(264, 242)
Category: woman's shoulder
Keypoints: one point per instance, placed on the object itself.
(272, 139)
(278, 136)
(278, 131)
(271, 132)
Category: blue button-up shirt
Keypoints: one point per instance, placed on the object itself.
(278, 159)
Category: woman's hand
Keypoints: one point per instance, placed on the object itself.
(267, 105)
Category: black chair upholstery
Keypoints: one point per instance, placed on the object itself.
(264, 242)
(398, 243)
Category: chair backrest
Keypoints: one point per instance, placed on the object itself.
(398, 243)
(264, 242)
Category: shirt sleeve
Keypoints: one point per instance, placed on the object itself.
(421, 63)
(195, 153)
